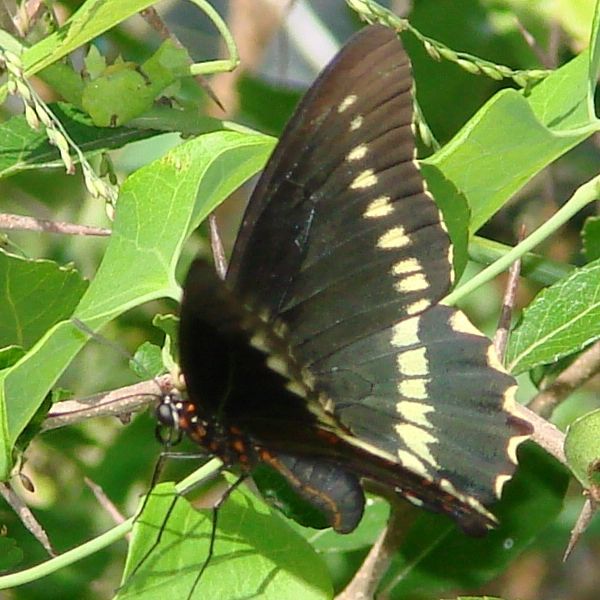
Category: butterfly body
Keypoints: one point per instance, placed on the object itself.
(325, 353)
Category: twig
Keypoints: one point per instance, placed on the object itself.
(115, 403)
(585, 366)
(366, 580)
(10, 222)
(26, 516)
(508, 303)
(585, 516)
(530, 40)
(217, 247)
(106, 503)
(545, 434)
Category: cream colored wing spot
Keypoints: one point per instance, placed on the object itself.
(308, 379)
(380, 207)
(413, 388)
(418, 307)
(413, 499)
(347, 102)
(415, 412)
(326, 402)
(280, 328)
(364, 180)
(513, 444)
(260, 342)
(441, 217)
(277, 364)
(408, 265)
(406, 333)
(460, 324)
(264, 315)
(499, 484)
(446, 486)
(492, 359)
(357, 153)
(296, 388)
(451, 262)
(413, 362)
(418, 440)
(410, 461)
(356, 123)
(394, 238)
(510, 400)
(413, 283)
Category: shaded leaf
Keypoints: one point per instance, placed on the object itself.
(591, 238)
(93, 18)
(563, 319)
(24, 148)
(147, 361)
(512, 138)
(10, 554)
(582, 448)
(34, 296)
(256, 555)
(139, 262)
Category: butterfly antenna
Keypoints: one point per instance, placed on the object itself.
(114, 346)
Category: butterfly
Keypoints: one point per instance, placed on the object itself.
(325, 354)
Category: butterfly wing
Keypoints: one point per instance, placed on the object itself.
(338, 268)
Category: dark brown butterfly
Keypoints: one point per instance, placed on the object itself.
(325, 354)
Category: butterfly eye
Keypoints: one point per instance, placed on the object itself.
(166, 413)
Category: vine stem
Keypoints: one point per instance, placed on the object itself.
(216, 66)
(585, 194)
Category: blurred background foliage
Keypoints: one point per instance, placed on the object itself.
(282, 48)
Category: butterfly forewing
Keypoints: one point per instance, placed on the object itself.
(327, 354)
(330, 220)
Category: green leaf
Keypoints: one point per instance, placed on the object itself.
(34, 296)
(91, 20)
(24, 148)
(455, 209)
(169, 324)
(512, 138)
(102, 97)
(582, 448)
(591, 238)
(594, 70)
(94, 62)
(139, 264)
(10, 554)
(255, 554)
(436, 557)
(10, 355)
(147, 361)
(563, 319)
